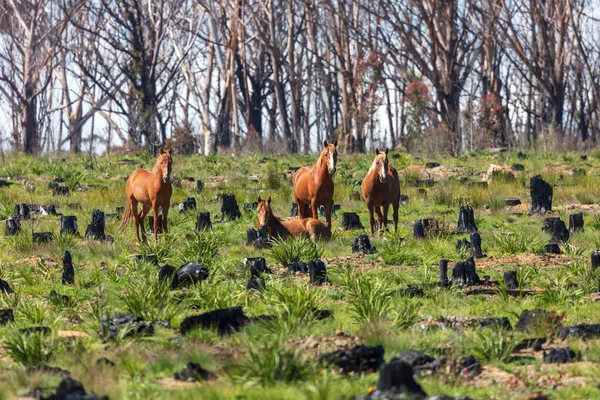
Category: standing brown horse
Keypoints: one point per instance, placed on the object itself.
(153, 190)
(274, 227)
(380, 188)
(313, 186)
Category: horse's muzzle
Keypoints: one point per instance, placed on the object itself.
(383, 179)
(166, 179)
(331, 171)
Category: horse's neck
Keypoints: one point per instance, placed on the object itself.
(372, 173)
(320, 170)
(275, 225)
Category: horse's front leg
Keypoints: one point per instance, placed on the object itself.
(165, 212)
(384, 211)
(143, 213)
(371, 218)
(328, 208)
(314, 207)
(379, 218)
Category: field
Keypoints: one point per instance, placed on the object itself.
(279, 357)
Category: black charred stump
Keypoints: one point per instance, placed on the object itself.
(403, 199)
(68, 224)
(12, 227)
(396, 382)
(350, 220)
(466, 220)
(512, 202)
(541, 195)
(189, 274)
(257, 238)
(595, 259)
(166, 273)
(464, 273)
(68, 275)
(468, 367)
(5, 287)
(419, 230)
(585, 331)
(576, 222)
(149, 258)
(159, 225)
(358, 360)
(557, 228)
(560, 355)
(463, 245)
(120, 210)
(187, 204)
(318, 272)
(6, 316)
(70, 389)
(60, 191)
(431, 165)
(95, 230)
(510, 280)
(256, 283)
(414, 358)
(334, 209)
(552, 248)
(476, 245)
(362, 244)
(203, 221)
(48, 210)
(443, 272)
(294, 210)
(199, 186)
(229, 208)
(521, 155)
(502, 323)
(193, 372)
(256, 266)
(42, 237)
(517, 167)
(21, 211)
(226, 321)
(250, 206)
(132, 325)
(297, 266)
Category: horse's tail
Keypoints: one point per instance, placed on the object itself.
(395, 173)
(127, 215)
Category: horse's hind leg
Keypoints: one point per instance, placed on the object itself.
(165, 212)
(136, 218)
(142, 216)
(384, 211)
(395, 206)
(155, 213)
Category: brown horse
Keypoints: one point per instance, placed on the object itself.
(274, 227)
(380, 188)
(313, 186)
(153, 190)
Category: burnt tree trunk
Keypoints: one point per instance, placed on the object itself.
(464, 273)
(595, 259)
(230, 208)
(443, 272)
(557, 228)
(351, 221)
(203, 221)
(159, 227)
(476, 245)
(13, 226)
(318, 272)
(95, 230)
(419, 230)
(68, 224)
(510, 280)
(541, 195)
(466, 220)
(576, 222)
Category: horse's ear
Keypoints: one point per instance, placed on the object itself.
(269, 200)
(162, 151)
(377, 151)
(259, 199)
(335, 143)
(325, 143)
(169, 150)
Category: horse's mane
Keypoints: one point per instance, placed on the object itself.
(155, 169)
(319, 163)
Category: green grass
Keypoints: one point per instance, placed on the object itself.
(272, 359)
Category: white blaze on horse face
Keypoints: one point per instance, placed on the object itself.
(383, 172)
(331, 163)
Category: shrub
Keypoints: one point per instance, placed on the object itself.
(294, 249)
(31, 350)
(202, 247)
(493, 345)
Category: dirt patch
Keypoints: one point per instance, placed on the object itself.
(545, 260)
(34, 260)
(72, 334)
(318, 345)
(438, 173)
(492, 376)
(581, 207)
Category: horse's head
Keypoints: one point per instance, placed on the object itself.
(329, 156)
(164, 164)
(264, 212)
(380, 165)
